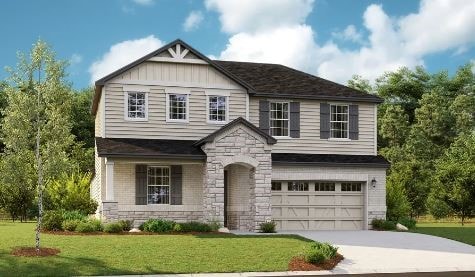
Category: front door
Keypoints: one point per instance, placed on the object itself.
(226, 198)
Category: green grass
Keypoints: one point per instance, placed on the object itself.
(454, 231)
(144, 254)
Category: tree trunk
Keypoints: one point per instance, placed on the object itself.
(40, 168)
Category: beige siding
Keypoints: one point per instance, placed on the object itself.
(310, 142)
(238, 188)
(96, 183)
(98, 128)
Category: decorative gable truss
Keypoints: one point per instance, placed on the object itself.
(177, 53)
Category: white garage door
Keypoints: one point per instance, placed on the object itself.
(317, 205)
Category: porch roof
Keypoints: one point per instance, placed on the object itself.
(328, 160)
(148, 148)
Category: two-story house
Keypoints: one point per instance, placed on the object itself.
(183, 137)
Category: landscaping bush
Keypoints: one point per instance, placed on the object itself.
(177, 227)
(377, 223)
(113, 227)
(382, 224)
(70, 224)
(91, 225)
(214, 225)
(318, 252)
(267, 227)
(126, 225)
(73, 215)
(52, 221)
(408, 222)
(158, 225)
(194, 226)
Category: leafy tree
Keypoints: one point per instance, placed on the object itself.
(359, 83)
(37, 121)
(395, 125)
(397, 204)
(71, 193)
(81, 117)
(455, 177)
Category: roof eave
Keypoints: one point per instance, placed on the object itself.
(375, 99)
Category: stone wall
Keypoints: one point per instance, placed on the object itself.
(238, 145)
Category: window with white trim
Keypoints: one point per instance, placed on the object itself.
(350, 186)
(217, 108)
(136, 105)
(297, 186)
(178, 107)
(324, 186)
(339, 121)
(158, 185)
(279, 119)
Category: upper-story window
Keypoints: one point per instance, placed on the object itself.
(217, 109)
(339, 121)
(136, 108)
(279, 119)
(177, 107)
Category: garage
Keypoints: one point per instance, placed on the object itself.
(318, 205)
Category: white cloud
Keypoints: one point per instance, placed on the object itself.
(75, 59)
(350, 33)
(143, 2)
(251, 15)
(266, 31)
(193, 21)
(121, 54)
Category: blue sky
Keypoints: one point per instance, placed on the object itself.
(331, 38)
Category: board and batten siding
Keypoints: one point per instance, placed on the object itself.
(310, 142)
(197, 80)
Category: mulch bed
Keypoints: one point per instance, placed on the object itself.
(68, 233)
(299, 264)
(31, 252)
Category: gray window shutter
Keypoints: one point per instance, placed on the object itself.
(353, 122)
(294, 119)
(176, 180)
(324, 120)
(264, 116)
(140, 184)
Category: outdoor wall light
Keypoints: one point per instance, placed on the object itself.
(373, 182)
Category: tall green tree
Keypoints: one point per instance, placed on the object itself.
(37, 120)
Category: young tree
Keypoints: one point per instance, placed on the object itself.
(395, 125)
(37, 120)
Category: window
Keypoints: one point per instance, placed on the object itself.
(324, 186)
(279, 119)
(178, 107)
(350, 186)
(297, 186)
(339, 121)
(276, 186)
(217, 108)
(136, 106)
(158, 185)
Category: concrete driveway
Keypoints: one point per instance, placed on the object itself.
(392, 252)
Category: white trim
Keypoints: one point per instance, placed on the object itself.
(169, 185)
(126, 106)
(103, 107)
(167, 107)
(208, 95)
(109, 180)
(288, 118)
(365, 206)
(347, 122)
(247, 106)
(375, 130)
(339, 139)
(136, 88)
(217, 93)
(194, 85)
(176, 60)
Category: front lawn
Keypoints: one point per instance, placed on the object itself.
(455, 231)
(144, 254)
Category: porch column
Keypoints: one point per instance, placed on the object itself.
(109, 180)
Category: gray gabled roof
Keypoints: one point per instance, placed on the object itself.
(237, 121)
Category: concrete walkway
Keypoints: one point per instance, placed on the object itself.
(393, 252)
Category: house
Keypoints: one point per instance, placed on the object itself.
(183, 137)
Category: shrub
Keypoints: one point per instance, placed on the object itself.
(126, 225)
(113, 227)
(70, 224)
(73, 215)
(267, 227)
(382, 224)
(408, 222)
(52, 221)
(91, 225)
(318, 252)
(195, 226)
(177, 227)
(158, 225)
(72, 193)
(377, 223)
(214, 225)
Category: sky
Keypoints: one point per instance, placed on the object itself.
(334, 39)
